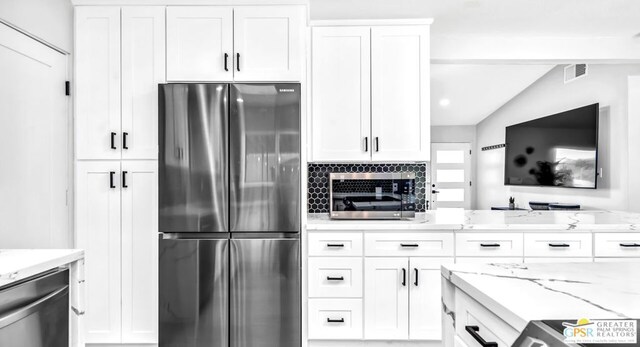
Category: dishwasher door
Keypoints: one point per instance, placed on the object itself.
(35, 311)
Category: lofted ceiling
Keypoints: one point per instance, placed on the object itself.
(474, 92)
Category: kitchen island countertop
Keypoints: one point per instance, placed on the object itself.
(17, 264)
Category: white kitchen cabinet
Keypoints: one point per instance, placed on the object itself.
(97, 222)
(386, 298)
(268, 43)
(425, 320)
(244, 43)
(341, 96)
(373, 82)
(400, 109)
(335, 319)
(116, 225)
(97, 82)
(200, 43)
(143, 67)
(139, 234)
(119, 63)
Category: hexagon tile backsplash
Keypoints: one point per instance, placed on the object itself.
(318, 181)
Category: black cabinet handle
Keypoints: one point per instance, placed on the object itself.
(124, 179)
(238, 61)
(111, 183)
(409, 245)
(435, 191)
(366, 144)
(124, 140)
(226, 58)
(329, 278)
(377, 145)
(113, 140)
(335, 245)
(416, 273)
(404, 277)
(630, 245)
(473, 331)
(559, 245)
(339, 320)
(489, 245)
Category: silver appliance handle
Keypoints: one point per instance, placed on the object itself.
(25, 311)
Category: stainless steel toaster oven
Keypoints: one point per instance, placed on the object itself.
(372, 195)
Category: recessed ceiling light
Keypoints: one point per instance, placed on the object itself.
(445, 102)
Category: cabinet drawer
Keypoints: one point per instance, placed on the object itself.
(617, 244)
(394, 244)
(335, 277)
(339, 244)
(335, 319)
(557, 245)
(489, 244)
(489, 326)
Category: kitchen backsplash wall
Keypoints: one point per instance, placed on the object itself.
(318, 187)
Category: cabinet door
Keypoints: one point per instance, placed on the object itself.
(143, 65)
(400, 93)
(97, 89)
(268, 43)
(386, 298)
(425, 320)
(199, 43)
(98, 233)
(139, 184)
(341, 109)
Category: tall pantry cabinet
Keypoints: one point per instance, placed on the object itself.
(118, 65)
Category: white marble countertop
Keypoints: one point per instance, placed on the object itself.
(458, 220)
(16, 264)
(519, 293)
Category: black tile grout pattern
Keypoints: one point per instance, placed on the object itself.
(318, 181)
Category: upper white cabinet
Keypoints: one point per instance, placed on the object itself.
(97, 82)
(400, 111)
(119, 63)
(200, 43)
(370, 93)
(245, 43)
(341, 122)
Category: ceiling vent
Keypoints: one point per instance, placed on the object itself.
(574, 71)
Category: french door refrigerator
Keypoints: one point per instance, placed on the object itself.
(229, 215)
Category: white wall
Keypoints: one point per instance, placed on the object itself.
(459, 133)
(634, 143)
(605, 84)
(49, 20)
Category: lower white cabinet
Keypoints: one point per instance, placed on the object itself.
(425, 321)
(116, 225)
(336, 319)
(386, 298)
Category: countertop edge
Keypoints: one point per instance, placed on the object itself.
(34, 269)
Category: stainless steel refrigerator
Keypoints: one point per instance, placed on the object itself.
(229, 215)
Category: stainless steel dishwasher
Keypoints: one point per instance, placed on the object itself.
(34, 312)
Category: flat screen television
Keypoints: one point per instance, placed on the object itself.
(560, 150)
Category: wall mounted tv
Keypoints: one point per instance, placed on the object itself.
(560, 150)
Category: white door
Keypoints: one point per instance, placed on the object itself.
(143, 67)
(341, 109)
(386, 298)
(400, 94)
(268, 43)
(425, 320)
(451, 176)
(97, 88)
(199, 43)
(139, 184)
(98, 233)
(34, 146)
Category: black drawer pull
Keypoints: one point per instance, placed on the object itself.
(473, 331)
(409, 245)
(124, 179)
(335, 245)
(124, 140)
(416, 281)
(404, 277)
(339, 320)
(377, 145)
(366, 144)
(238, 61)
(630, 245)
(113, 140)
(111, 183)
(559, 245)
(489, 245)
(226, 57)
(329, 278)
